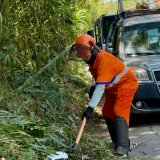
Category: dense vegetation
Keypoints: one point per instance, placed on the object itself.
(41, 93)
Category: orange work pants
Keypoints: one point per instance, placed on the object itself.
(118, 104)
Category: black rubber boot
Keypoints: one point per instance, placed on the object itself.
(122, 141)
(111, 128)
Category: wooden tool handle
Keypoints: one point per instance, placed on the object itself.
(81, 130)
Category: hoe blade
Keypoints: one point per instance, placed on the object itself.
(60, 155)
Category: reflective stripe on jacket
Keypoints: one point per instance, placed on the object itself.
(117, 78)
(111, 72)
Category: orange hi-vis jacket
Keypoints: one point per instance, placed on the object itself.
(119, 82)
(111, 72)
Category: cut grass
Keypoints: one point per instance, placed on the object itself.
(39, 121)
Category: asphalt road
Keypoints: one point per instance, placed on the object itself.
(144, 137)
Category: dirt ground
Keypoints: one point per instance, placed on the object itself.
(144, 136)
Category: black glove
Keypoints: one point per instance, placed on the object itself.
(91, 91)
(87, 113)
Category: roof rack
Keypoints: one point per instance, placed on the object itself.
(137, 12)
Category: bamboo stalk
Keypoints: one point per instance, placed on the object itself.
(30, 79)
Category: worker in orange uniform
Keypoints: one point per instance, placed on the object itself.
(119, 83)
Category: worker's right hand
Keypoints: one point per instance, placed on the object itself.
(87, 113)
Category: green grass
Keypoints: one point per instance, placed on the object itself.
(44, 118)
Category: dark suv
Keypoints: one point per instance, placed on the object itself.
(134, 38)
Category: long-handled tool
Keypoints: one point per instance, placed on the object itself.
(79, 134)
(63, 155)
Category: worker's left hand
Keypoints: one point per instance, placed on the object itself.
(87, 113)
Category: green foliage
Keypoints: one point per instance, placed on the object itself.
(24, 139)
(47, 101)
(51, 112)
(98, 8)
(34, 32)
(52, 101)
